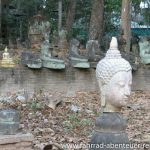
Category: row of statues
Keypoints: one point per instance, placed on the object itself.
(47, 60)
(39, 36)
(92, 56)
(76, 59)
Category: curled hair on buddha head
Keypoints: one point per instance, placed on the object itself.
(111, 63)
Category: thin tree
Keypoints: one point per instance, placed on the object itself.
(126, 24)
(70, 15)
(59, 15)
(96, 22)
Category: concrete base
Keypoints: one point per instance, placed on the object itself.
(68, 80)
(80, 63)
(35, 66)
(16, 142)
(53, 64)
(110, 133)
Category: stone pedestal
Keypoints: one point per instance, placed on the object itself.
(16, 142)
(31, 60)
(53, 63)
(80, 62)
(110, 133)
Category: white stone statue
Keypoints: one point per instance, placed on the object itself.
(45, 28)
(7, 61)
(45, 46)
(144, 45)
(6, 54)
(114, 78)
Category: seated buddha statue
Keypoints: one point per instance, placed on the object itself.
(77, 60)
(47, 60)
(7, 60)
(114, 78)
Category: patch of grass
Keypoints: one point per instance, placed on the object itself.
(86, 122)
(74, 122)
(68, 126)
(35, 105)
(74, 118)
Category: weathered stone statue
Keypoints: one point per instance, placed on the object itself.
(39, 34)
(77, 60)
(114, 78)
(92, 47)
(45, 49)
(45, 28)
(9, 122)
(11, 136)
(31, 60)
(39, 29)
(7, 60)
(47, 60)
(94, 52)
(144, 45)
(34, 33)
(63, 44)
(55, 39)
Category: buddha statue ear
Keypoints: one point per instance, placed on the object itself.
(103, 100)
(102, 90)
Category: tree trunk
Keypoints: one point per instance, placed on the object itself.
(20, 30)
(59, 15)
(96, 22)
(70, 15)
(19, 20)
(126, 24)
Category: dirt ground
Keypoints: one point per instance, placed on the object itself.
(72, 121)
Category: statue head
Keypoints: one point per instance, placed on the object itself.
(6, 50)
(114, 78)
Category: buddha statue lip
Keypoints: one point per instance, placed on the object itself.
(114, 78)
(125, 99)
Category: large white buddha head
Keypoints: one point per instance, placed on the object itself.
(114, 78)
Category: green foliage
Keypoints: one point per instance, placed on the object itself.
(25, 10)
(112, 9)
(86, 122)
(112, 5)
(74, 121)
(82, 20)
(35, 105)
(136, 2)
(51, 12)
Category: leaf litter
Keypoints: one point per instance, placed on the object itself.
(72, 119)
